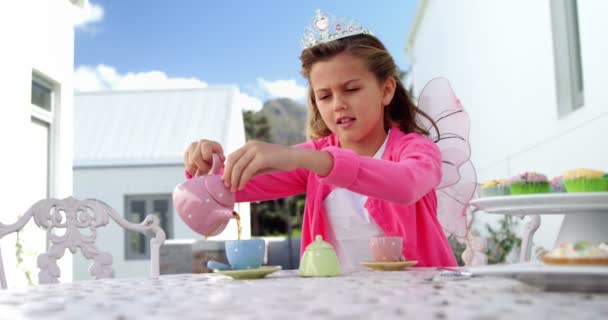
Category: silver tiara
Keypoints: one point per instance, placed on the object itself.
(325, 27)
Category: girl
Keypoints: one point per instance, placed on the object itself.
(368, 169)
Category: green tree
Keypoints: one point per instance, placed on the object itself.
(274, 217)
(457, 248)
(502, 240)
(403, 74)
(256, 127)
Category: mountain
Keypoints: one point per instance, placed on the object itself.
(287, 120)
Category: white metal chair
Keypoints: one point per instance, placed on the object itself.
(71, 215)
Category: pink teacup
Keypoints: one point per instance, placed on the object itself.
(386, 249)
(204, 203)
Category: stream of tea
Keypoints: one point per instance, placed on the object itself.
(239, 228)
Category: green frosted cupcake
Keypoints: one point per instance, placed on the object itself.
(495, 188)
(529, 183)
(585, 180)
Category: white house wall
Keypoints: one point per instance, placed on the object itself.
(35, 36)
(498, 55)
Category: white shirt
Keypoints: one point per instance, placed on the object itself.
(351, 224)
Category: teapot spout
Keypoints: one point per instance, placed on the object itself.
(219, 220)
(217, 231)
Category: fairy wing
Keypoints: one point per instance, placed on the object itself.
(451, 134)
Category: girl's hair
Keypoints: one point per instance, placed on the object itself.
(401, 110)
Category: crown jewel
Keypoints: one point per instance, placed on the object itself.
(325, 27)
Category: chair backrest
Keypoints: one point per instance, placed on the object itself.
(70, 215)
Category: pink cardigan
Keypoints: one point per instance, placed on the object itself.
(400, 187)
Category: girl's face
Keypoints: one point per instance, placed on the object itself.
(351, 101)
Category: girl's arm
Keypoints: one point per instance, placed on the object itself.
(414, 171)
(273, 186)
(266, 186)
(280, 184)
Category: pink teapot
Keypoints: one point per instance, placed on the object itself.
(204, 203)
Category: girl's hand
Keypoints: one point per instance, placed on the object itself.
(255, 158)
(198, 156)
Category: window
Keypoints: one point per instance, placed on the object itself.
(567, 52)
(137, 245)
(41, 142)
(43, 108)
(41, 93)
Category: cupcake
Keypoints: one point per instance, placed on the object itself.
(557, 184)
(495, 188)
(529, 182)
(585, 180)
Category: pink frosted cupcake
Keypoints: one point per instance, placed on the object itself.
(529, 182)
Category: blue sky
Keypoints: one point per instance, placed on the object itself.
(140, 44)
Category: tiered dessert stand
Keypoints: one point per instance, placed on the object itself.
(586, 214)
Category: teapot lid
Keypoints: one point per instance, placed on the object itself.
(319, 244)
(217, 190)
(215, 185)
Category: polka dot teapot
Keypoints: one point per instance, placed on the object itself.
(204, 203)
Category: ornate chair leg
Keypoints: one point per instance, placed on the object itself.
(528, 235)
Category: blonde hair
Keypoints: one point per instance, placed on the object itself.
(401, 110)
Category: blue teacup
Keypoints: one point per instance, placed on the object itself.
(242, 254)
(245, 254)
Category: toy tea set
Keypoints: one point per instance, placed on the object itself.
(206, 206)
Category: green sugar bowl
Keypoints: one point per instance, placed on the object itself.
(319, 260)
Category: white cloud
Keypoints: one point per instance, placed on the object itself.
(283, 89)
(248, 102)
(103, 77)
(90, 13)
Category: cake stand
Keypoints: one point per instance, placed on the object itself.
(586, 214)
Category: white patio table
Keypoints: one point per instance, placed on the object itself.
(414, 294)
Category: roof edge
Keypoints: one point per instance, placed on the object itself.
(109, 92)
(99, 164)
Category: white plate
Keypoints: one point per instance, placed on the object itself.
(560, 278)
(544, 203)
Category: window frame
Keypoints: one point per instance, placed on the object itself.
(48, 118)
(569, 80)
(148, 209)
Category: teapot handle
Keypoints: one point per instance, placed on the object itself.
(216, 164)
